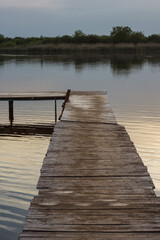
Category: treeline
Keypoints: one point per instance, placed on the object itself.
(118, 34)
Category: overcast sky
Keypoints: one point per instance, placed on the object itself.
(59, 17)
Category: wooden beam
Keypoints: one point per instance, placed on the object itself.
(55, 109)
(65, 101)
(11, 114)
(37, 96)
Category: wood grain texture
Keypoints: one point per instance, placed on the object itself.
(87, 236)
(93, 184)
(32, 96)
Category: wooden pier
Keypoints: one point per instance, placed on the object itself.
(93, 184)
(32, 96)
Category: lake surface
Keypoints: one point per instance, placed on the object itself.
(133, 85)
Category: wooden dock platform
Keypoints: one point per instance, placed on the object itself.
(32, 96)
(93, 184)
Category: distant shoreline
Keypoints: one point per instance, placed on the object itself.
(71, 48)
(121, 39)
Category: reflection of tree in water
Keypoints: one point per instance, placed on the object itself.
(154, 61)
(120, 63)
(2, 61)
(89, 61)
(17, 59)
(79, 67)
(124, 64)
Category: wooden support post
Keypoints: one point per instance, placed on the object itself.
(11, 115)
(66, 100)
(55, 110)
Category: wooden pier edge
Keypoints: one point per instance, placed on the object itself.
(93, 183)
(30, 96)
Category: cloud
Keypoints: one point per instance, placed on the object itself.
(59, 17)
(31, 3)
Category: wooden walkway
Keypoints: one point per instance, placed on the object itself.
(93, 184)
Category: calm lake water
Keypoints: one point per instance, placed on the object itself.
(133, 85)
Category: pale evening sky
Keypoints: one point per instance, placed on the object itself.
(28, 18)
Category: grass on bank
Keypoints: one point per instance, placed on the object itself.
(120, 39)
(98, 48)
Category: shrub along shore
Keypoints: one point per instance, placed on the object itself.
(121, 39)
(55, 49)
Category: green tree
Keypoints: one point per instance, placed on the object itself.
(79, 36)
(121, 34)
(105, 39)
(92, 38)
(2, 38)
(66, 39)
(154, 38)
(137, 37)
(19, 40)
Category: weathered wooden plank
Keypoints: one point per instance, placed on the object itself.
(90, 153)
(55, 172)
(86, 140)
(63, 135)
(104, 195)
(100, 193)
(93, 119)
(101, 149)
(89, 93)
(43, 225)
(91, 161)
(75, 203)
(32, 96)
(88, 236)
(63, 201)
(94, 164)
(100, 133)
(91, 216)
(97, 156)
(96, 182)
(120, 165)
(70, 125)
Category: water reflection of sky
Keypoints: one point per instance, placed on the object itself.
(132, 84)
(132, 75)
(20, 159)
